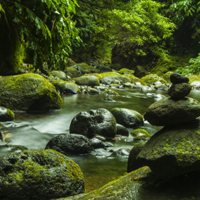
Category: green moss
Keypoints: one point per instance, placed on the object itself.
(126, 71)
(152, 78)
(110, 92)
(140, 134)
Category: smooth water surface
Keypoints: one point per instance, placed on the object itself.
(35, 130)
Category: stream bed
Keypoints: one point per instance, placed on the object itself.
(36, 129)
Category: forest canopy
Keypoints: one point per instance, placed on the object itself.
(52, 31)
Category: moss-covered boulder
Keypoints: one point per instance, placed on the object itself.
(59, 74)
(6, 114)
(141, 185)
(28, 92)
(140, 134)
(170, 112)
(108, 77)
(84, 68)
(88, 80)
(72, 72)
(167, 75)
(127, 117)
(39, 175)
(193, 78)
(66, 87)
(70, 144)
(173, 151)
(94, 122)
(152, 78)
(126, 71)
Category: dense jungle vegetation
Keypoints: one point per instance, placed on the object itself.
(160, 35)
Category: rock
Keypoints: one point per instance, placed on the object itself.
(140, 134)
(152, 78)
(88, 80)
(122, 130)
(141, 185)
(169, 112)
(179, 91)
(94, 122)
(127, 117)
(133, 164)
(178, 78)
(71, 71)
(173, 151)
(70, 144)
(39, 175)
(140, 71)
(126, 71)
(66, 87)
(6, 114)
(108, 77)
(28, 92)
(84, 68)
(97, 143)
(110, 92)
(91, 90)
(59, 74)
(71, 62)
(121, 152)
(167, 75)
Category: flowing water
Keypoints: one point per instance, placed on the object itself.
(35, 130)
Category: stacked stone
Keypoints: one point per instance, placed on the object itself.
(175, 110)
(180, 86)
(175, 149)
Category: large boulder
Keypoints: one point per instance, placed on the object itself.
(28, 92)
(173, 151)
(176, 78)
(88, 80)
(94, 122)
(152, 78)
(70, 144)
(141, 185)
(66, 87)
(169, 112)
(6, 114)
(127, 117)
(39, 175)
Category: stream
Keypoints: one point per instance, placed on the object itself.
(35, 130)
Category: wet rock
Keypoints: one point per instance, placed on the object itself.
(133, 164)
(169, 112)
(91, 90)
(28, 92)
(59, 74)
(97, 143)
(122, 130)
(73, 72)
(39, 175)
(94, 122)
(110, 92)
(121, 152)
(178, 78)
(173, 151)
(66, 87)
(6, 114)
(140, 134)
(70, 144)
(88, 80)
(127, 117)
(179, 91)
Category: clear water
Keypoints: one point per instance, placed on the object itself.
(35, 130)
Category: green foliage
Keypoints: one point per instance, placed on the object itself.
(45, 24)
(137, 27)
(192, 68)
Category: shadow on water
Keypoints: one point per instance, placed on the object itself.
(35, 130)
